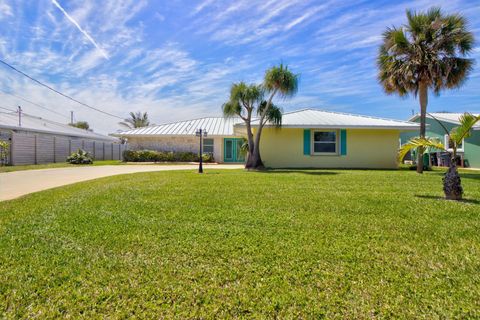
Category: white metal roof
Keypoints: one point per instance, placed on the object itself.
(447, 117)
(215, 126)
(36, 124)
(314, 118)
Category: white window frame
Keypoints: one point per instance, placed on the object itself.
(212, 145)
(446, 143)
(312, 143)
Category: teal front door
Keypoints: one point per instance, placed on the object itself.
(231, 150)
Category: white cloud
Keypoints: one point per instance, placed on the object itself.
(5, 9)
(75, 23)
(202, 6)
(311, 12)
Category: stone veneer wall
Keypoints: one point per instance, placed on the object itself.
(174, 143)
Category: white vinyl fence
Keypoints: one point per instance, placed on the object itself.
(29, 148)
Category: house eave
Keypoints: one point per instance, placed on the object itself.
(403, 128)
(119, 135)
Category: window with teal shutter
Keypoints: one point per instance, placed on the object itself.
(343, 142)
(306, 142)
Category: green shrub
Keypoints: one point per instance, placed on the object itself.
(80, 157)
(4, 149)
(163, 156)
(207, 157)
(130, 156)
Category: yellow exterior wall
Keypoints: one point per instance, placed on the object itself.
(283, 148)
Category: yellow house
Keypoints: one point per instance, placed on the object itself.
(308, 138)
(313, 138)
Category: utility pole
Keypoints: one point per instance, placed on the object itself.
(71, 117)
(19, 116)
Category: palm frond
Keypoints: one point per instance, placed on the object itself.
(431, 48)
(136, 120)
(415, 143)
(467, 121)
(273, 115)
(281, 79)
(231, 109)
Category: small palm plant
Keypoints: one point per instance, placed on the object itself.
(452, 185)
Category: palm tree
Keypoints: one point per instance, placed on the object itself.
(246, 101)
(428, 53)
(136, 120)
(452, 185)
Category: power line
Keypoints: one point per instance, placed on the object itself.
(58, 92)
(8, 109)
(35, 104)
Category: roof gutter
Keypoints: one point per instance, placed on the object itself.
(412, 127)
(153, 135)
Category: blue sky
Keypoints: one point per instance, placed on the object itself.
(177, 59)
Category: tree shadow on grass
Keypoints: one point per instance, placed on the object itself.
(304, 171)
(470, 201)
(469, 176)
(463, 175)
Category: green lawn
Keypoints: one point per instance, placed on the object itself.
(57, 165)
(292, 244)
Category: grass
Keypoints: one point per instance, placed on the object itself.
(95, 163)
(234, 244)
(57, 165)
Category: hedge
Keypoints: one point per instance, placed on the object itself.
(163, 156)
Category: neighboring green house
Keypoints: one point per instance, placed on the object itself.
(469, 151)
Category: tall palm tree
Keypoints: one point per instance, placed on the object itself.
(428, 53)
(136, 120)
(249, 101)
(452, 185)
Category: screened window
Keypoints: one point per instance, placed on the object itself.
(324, 142)
(449, 144)
(207, 145)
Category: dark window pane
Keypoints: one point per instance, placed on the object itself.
(207, 145)
(228, 149)
(207, 149)
(324, 147)
(329, 136)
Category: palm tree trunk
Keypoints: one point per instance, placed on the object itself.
(452, 184)
(423, 97)
(255, 160)
(251, 145)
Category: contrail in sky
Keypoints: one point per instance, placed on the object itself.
(80, 28)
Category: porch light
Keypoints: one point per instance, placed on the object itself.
(201, 133)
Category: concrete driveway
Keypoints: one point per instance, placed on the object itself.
(19, 183)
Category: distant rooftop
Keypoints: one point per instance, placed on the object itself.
(215, 126)
(314, 118)
(37, 124)
(452, 117)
